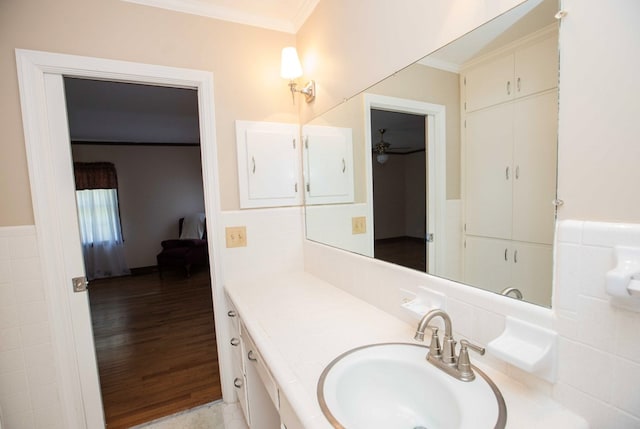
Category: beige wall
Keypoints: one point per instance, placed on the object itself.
(422, 83)
(244, 61)
(348, 45)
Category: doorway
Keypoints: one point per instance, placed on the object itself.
(434, 118)
(154, 334)
(399, 167)
(50, 168)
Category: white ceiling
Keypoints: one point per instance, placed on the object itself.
(281, 15)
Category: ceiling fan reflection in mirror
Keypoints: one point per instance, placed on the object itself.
(381, 149)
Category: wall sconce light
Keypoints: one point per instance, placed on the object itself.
(381, 148)
(291, 69)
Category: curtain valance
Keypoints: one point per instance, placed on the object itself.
(95, 175)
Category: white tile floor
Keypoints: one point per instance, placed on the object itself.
(216, 415)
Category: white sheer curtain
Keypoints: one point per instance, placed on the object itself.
(101, 234)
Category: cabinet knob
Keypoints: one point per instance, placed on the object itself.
(508, 87)
(251, 356)
(506, 173)
(237, 383)
(235, 341)
(515, 257)
(518, 84)
(505, 254)
(232, 313)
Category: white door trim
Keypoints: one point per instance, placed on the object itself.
(437, 164)
(51, 174)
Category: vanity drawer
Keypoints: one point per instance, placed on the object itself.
(254, 358)
(234, 318)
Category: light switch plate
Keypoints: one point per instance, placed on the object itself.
(236, 236)
(358, 225)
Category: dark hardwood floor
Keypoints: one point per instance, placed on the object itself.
(409, 252)
(155, 345)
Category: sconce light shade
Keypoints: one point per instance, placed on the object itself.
(290, 67)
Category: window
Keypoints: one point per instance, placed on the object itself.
(99, 216)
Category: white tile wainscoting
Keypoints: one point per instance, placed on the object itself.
(599, 356)
(29, 390)
(599, 346)
(599, 367)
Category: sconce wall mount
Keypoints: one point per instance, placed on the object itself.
(309, 90)
(290, 68)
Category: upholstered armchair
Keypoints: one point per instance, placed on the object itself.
(184, 252)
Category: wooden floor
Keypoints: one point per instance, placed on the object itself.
(409, 252)
(155, 344)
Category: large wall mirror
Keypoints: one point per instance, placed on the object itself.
(449, 165)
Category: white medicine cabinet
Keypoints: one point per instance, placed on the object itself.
(328, 164)
(268, 164)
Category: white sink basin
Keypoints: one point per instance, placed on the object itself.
(392, 386)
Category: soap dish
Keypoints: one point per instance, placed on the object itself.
(528, 347)
(424, 301)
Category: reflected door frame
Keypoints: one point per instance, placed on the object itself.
(436, 148)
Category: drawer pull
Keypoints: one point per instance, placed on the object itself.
(237, 383)
(232, 313)
(251, 356)
(235, 341)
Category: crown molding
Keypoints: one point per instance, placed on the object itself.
(202, 8)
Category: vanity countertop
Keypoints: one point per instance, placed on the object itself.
(301, 323)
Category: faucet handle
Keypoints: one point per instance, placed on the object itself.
(464, 364)
(434, 347)
(464, 344)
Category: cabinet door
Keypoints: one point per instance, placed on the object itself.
(263, 413)
(288, 417)
(533, 271)
(489, 83)
(328, 165)
(536, 67)
(535, 160)
(487, 263)
(488, 160)
(268, 165)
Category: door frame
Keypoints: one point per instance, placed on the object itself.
(51, 180)
(436, 166)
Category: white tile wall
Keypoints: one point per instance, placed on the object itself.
(29, 396)
(599, 345)
(599, 371)
(274, 242)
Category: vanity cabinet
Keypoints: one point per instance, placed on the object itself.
(238, 368)
(527, 68)
(262, 392)
(268, 164)
(262, 403)
(257, 392)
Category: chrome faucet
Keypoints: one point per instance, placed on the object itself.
(444, 357)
